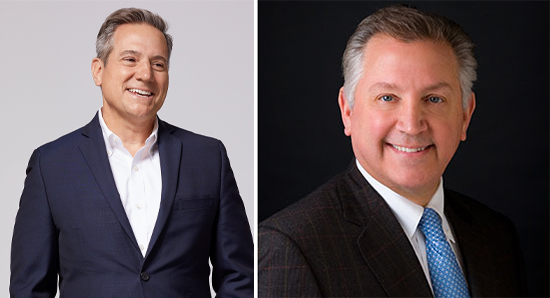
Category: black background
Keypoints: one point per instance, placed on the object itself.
(505, 161)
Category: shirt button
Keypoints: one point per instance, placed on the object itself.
(141, 247)
(136, 168)
(144, 276)
(138, 206)
(109, 152)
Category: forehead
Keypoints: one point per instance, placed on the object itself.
(139, 37)
(412, 63)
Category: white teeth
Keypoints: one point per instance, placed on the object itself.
(140, 91)
(409, 150)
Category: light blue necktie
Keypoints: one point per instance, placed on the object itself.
(447, 277)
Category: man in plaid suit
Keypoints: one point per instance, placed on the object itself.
(406, 103)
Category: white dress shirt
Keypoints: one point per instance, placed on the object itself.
(409, 214)
(138, 181)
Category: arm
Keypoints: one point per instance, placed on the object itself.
(232, 251)
(282, 268)
(34, 253)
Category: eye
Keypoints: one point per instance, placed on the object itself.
(158, 66)
(386, 98)
(435, 99)
(130, 59)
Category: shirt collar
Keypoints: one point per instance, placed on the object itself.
(408, 213)
(112, 140)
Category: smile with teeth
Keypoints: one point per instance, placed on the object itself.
(409, 150)
(140, 92)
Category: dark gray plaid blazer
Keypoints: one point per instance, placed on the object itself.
(342, 240)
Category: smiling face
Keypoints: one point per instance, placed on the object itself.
(134, 82)
(407, 120)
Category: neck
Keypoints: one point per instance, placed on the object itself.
(421, 199)
(133, 134)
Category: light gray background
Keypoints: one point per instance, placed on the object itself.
(48, 91)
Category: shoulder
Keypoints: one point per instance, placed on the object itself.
(189, 138)
(71, 141)
(479, 215)
(311, 214)
(489, 240)
(63, 145)
(297, 245)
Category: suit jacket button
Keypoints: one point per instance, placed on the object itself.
(144, 276)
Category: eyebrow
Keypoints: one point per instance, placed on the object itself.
(132, 52)
(438, 86)
(384, 85)
(390, 86)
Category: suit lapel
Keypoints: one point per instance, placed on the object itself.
(94, 152)
(383, 244)
(473, 248)
(170, 149)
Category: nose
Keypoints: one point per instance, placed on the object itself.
(411, 118)
(144, 71)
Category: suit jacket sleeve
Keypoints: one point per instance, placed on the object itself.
(34, 253)
(232, 251)
(282, 268)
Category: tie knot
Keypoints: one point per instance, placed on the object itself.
(430, 225)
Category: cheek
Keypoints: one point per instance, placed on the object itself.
(447, 135)
(375, 125)
(162, 81)
(122, 75)
(370, 128)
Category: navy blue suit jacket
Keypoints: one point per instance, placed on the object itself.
(71, 224)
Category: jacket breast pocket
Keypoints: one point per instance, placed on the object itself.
(194, 203)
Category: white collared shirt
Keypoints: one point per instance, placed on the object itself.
(409, 214)
(138, 181)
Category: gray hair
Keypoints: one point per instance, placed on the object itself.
(408, 24)
(104, 43)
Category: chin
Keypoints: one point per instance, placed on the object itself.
(416, 180)
(141, 112)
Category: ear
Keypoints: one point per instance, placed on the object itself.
(345, 111)
(97, 70)
(467, 115)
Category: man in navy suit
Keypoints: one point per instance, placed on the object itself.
(129, 205)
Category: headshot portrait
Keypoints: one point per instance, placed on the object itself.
(403, 149)
(131, 152)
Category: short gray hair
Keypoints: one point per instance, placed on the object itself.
(104, 43)
(408, 24)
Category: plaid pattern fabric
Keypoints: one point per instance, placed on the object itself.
(342, 240)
